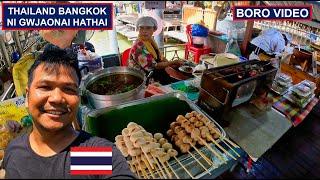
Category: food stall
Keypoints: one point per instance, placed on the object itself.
(200, 126)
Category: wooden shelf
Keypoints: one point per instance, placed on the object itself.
(298, 76)
(315, 47)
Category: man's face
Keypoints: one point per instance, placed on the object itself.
(52, 98)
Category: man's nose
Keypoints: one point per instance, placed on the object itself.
(56, 96)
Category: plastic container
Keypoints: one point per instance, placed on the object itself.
(309, 84)
(284, 80)
(302, 90)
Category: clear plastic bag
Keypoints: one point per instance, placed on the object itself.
(232, 45)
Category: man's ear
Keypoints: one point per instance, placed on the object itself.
(27, 94)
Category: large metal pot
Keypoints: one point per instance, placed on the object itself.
(100, 101)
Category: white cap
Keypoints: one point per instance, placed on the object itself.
(147, 21)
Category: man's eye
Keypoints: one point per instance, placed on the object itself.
(44, 87)
(71, 90)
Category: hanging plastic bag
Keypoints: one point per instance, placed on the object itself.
(20, 72)
(199, 35)
(232, 44)
(199, 30)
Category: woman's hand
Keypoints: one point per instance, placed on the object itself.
(2, 173)
(173, 64)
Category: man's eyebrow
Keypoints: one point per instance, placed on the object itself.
(65, 83)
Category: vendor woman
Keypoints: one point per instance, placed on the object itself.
(145, 54)
(268, 44)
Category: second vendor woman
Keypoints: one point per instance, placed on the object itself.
(145, 54)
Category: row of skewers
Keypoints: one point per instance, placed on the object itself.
(194, 128)
(149, 154)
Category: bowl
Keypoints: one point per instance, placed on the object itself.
(186, 69)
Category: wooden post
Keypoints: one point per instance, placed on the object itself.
(248, 36)
(159, 38)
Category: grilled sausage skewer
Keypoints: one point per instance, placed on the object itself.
(206, 134)
(195, 134)
(183, 135)
(187, 140)
(209, 124)
(224, 150)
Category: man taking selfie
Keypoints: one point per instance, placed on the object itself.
(52, 99)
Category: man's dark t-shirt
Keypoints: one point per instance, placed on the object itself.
(20, 161)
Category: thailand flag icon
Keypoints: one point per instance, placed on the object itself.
(91, 161)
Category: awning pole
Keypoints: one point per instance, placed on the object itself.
(113, 40)
(159, 38)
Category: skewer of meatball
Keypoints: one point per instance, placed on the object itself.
(184, 124)
(211, 133)
(130, 141)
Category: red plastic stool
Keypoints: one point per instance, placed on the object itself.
(195, 50)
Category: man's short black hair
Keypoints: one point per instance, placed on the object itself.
(54, 56)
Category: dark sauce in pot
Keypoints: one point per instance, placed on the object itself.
(114, 84)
